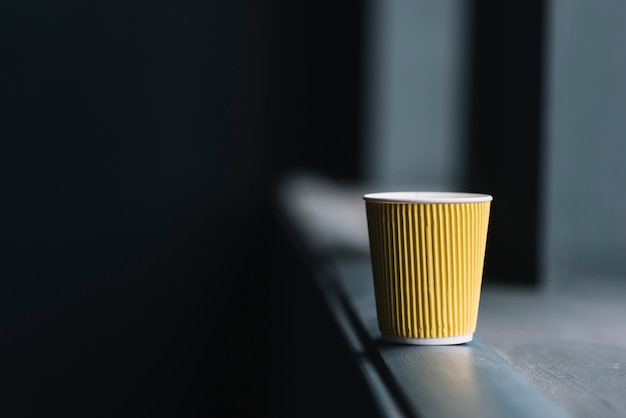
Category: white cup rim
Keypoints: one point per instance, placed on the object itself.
(427, 197)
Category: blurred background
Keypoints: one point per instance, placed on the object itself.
(143, 267)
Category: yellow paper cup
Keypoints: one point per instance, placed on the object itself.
(427, 251)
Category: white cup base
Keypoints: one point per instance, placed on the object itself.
(429, 341)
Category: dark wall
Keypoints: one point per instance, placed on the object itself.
(139, 145)
(118, 122)
(114, 126)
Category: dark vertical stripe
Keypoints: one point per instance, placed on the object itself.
(504, 131)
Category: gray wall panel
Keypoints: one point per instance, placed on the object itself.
(585, 218)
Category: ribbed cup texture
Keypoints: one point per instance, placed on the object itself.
(427, 262)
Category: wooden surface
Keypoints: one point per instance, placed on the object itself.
(467, 380)
(570, 342)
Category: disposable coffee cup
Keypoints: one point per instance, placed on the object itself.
(427, 253)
